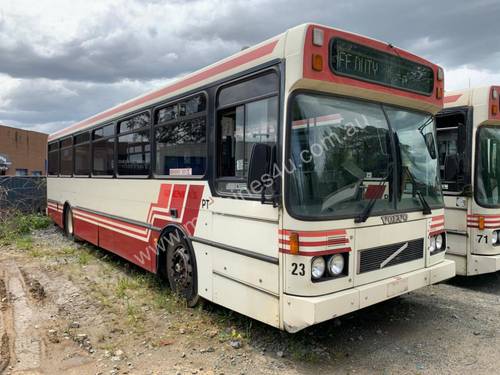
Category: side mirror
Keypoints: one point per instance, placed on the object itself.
(450, 168)
(258, 168)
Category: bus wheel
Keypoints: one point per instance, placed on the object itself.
(181, 272)
(68, 223)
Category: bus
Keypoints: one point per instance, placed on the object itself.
(468, 134)
(293, 182)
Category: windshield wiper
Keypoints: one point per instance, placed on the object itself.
(365, 214)
(426, 208)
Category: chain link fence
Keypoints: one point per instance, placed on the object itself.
(23, 194)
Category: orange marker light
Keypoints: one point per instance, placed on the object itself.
(494, 109)
(439, 93)
(317, 63)
(294, 243)
(481, 222)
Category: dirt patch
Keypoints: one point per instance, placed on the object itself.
(35, 289)
(4, 352)
(4, 299)
(100, 314)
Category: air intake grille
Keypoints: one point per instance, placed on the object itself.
(372, 259)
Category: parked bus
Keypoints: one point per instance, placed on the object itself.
(468, 132)
(293, 182)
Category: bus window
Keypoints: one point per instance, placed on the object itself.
(103, 151)
(181, 144)
(53, 169)
(82, 154)
(67, 157)
(243, 125)
(451, 150)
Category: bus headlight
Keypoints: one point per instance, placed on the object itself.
(432, 244)
(494, 237)
(439, 241)
(318, 266)
(336, 265)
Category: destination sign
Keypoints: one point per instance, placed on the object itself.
(368, 64)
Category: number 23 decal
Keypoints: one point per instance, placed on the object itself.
(298, 269)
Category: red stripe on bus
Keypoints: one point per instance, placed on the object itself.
(339, 241)
(192, 208)
(435, 233)
(437, 225)
(452, 98)
(436, 218)
(111, 222)
(335, 232)
(196, 78)
(317, 253)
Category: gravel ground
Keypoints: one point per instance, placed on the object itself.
(70, 308)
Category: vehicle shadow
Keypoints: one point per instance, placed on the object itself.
(487, 283)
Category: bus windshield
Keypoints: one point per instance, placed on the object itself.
(488, 167)
(347, 154)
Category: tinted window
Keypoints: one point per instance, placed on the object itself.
(66, 142)
(53, 163)
(133, 123)
(53, 146)
(103, 155)
(181, 148)
(80, 138)
(245, 91)
(168, 113)
(82, 159)
(134, 154)
(104, 132)
(67, 161)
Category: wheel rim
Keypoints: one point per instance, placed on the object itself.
(181, 269)
(69, 222)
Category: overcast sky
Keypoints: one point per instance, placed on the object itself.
(64, 60)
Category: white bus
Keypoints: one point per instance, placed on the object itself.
(468, 132)
(293, 182)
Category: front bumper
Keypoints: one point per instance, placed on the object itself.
(479, 264)
(301, 312)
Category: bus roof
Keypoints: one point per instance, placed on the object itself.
(485, 101)
(266, 51)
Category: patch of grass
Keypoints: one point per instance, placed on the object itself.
(14, 225)
(24, 243)
(83, 258)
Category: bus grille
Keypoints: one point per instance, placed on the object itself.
(372, 259)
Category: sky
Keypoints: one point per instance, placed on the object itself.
(62, 61)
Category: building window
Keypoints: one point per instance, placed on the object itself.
(53, 151)
(36, 173)
(103, 150)
(252, 119)
(82, 154)
(21, 172)
(180, 138)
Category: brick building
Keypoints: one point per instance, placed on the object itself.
(22, 152)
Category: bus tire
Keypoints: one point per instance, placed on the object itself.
(69, 228)
(181, 271)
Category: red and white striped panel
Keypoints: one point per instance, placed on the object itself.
(54, 207)
(490, 221)
(436, 225)
(318, 121)
(314, 243)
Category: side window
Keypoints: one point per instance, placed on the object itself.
(451, 140)
(180, 136)
(252, 119)
(67, 157)
(53, 152)
(103, 151)
(82, 154)
(134, 147)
